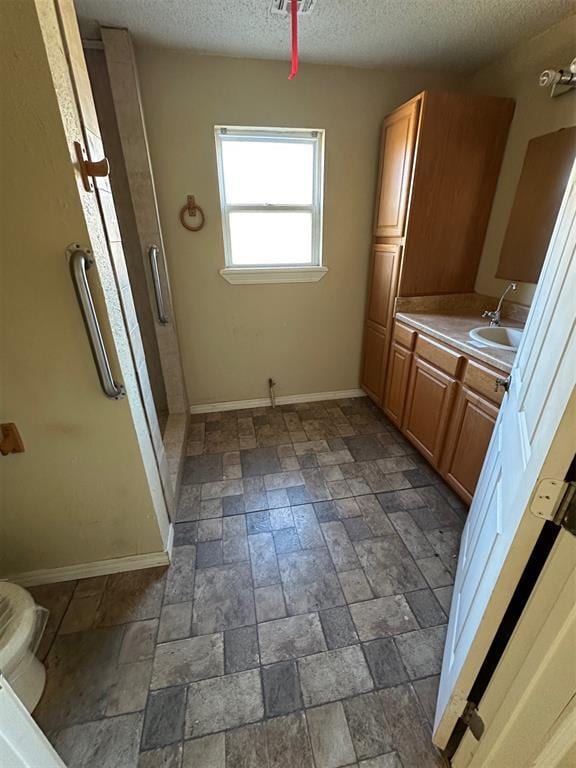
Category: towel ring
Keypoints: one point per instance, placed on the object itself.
(191, 208)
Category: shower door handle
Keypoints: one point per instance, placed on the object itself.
(153, 254)
(80, 263)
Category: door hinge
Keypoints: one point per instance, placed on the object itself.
(89, 168)
(547, 498)
(472, 719)
(566, 514)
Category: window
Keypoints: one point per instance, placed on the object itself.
(271, 182)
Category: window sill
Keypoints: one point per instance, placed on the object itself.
(256, 275)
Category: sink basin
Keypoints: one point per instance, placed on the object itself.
(497, 336)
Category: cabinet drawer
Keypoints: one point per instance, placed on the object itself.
(482, 380)
(438, 355)
(404, 335)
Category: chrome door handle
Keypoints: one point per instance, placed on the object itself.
(153, 254)
(80, 263)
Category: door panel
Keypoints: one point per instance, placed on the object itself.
(469, 435)
(86, 489)
(396, 162)
(430, 396)
(534, 438)
(381, 294)
(96, 63)
(125, 92)
(397, 382)
(373, 367)
(382, 284)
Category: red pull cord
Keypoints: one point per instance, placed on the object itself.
(294, 15)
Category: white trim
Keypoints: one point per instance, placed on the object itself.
(260, 275)
(96, 568)
(238, 405)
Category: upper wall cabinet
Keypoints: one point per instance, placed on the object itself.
(396, 153)
(540, 190)
(459, 149)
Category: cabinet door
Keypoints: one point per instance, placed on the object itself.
(373, 361)
(382, 284)
(381, 293)
(397, 382)
(395, 174)
(428, 406)
(469, 433)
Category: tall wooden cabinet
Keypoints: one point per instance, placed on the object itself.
(440, 156)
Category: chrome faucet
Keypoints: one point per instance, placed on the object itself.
(495, 315)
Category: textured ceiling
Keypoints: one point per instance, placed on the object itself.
(463, 34)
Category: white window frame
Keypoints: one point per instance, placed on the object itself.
(281, 273)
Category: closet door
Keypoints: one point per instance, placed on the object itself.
(396, 162)
(383, 281)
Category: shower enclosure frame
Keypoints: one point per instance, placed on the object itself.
(125, 91)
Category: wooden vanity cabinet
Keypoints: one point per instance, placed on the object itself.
(440, 156)
(445, 403)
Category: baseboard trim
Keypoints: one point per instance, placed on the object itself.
(238, 405)
(97, 568)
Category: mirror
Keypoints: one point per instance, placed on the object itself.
(539, 194)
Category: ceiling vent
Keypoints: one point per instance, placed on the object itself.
(283, 7)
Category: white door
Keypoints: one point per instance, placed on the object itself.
(502, 524)
(529, 707)
(22, 743)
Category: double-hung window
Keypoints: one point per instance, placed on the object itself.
(271, 184)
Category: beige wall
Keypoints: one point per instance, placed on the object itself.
(516, 75)
(80, 493)
(308, 336)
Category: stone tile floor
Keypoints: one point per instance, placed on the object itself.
(301, 623)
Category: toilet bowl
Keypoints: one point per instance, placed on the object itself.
(22, 623)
